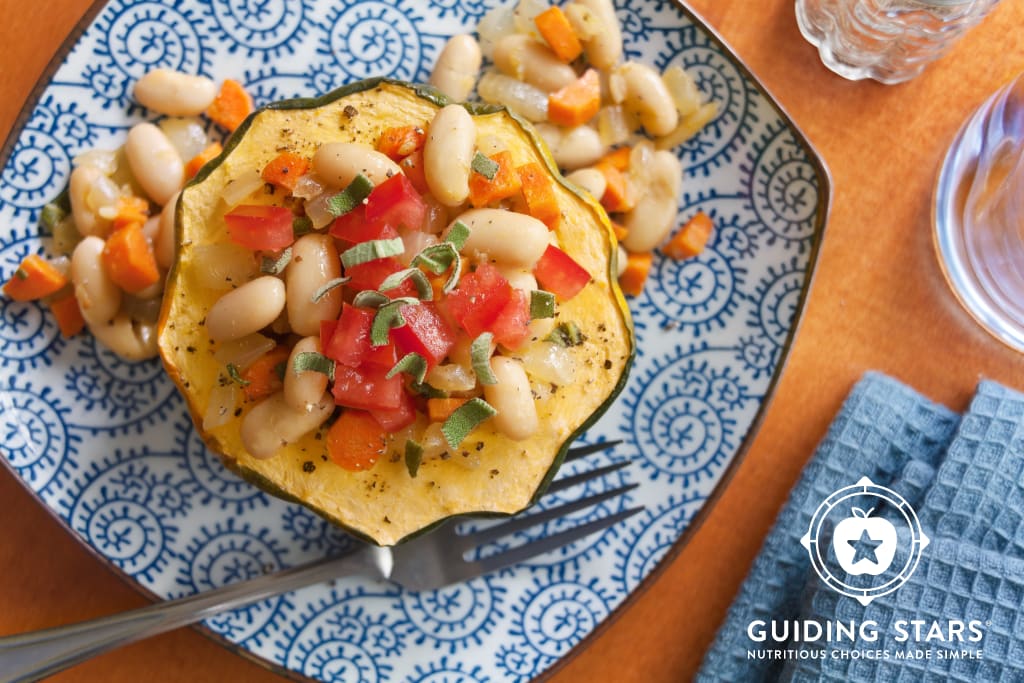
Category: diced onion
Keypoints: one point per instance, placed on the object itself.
(524, 14)
(683, 89)
(223, 400)
(689, 126)
(548, 362)
(102, 197)
(103, 159)
(415, 241)
(186, 135)
(222, 266)
(495, 25)
(308, 186)
(613, 125)
(452, 378)
(243, 351)
(318, 211)
(241, 187)
(520, 98)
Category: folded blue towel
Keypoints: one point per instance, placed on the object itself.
(959, 616)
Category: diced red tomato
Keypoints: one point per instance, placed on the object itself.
(396, 203)
(382, 356)
(367, 388)
(511, 327)
(354, 227)
(425, 332)
(479, 299)
(350, 341)
(412, 167)
(258, 228)
(559, 274)
(371, 274)
(397, 418)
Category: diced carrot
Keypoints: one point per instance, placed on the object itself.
(504, 184)
(34, 279)
(438, 409)
(401, 141)
(231, 105)
(691, 238)
(539, 194)
(200, 160)
(69, 316)
(356, 441)
(617, 158)
(128, 259)
(620, 230)
(618, 196)
(638, 266)
(412, 167)
(285, 169)
(557, 32)
(263, 376)
(576, 103)
(130, 209)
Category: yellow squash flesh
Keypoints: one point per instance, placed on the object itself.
(386, 504)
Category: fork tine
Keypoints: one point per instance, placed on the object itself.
(519, 523)
(582, 451)
(543, 545)
(576, 479)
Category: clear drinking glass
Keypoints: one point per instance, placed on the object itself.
(979, 214)
(890, 41)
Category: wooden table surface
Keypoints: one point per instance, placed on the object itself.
(879, 301)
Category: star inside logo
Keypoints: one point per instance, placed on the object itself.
(864, 548)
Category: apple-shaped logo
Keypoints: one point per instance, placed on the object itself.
(864, 544)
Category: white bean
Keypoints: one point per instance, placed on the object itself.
(247, 309)
(526, 59)
(457, 67)
(98, 296)
(649, 222)
(86, 200)
(154, 162)
(452, 377)
(175, 93)
(513, 239)
(314, 263)
(512, 398)
(520, 279)
(448, 154)
(338, 163)
(621, 261)
(591, 180)
(127, 337)
(578, 147)
(647, 96)
(166, 243)
(272, 424)
(516, 96)
(604, 47)
(302, 390)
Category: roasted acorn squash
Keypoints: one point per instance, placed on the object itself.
(385, 504)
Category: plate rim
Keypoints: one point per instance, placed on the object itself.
(822, 213)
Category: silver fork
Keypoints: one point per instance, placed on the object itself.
(430, 561)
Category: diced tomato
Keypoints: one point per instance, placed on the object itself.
(371, 274)
(354, 227)
(559, 274)
(425, 332)
(350, 340)
(511, 327)
(396, 203)
(258, 228)
(367, 388)
(479, 299)
(397, 418)
(412, 167)
(382, 356)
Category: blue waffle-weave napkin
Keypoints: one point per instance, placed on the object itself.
(965, 478)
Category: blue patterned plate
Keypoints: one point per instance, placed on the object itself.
(108, 447)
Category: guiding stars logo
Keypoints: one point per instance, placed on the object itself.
(858, 552)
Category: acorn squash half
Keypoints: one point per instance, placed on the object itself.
(385, 504)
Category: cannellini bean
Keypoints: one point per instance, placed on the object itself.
(621, 260)
(166, 243)
(526, 59)
(247, 309)
(457, 67)
(518, 97)
(513, 239)
(448, 154)
(520, 279)
(512, 398)
(604, 47)
(314, 263)
(647, 96)
(302, 390)
(453, 377)
(273, 424)
(98, 296)
(154, 162)
(590, 179)
(580, 146)
(175, 93)
(87, 191)
(338, 163)
(649, 222)
(127, 337)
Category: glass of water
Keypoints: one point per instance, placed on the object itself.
(890, 41)
(979, 214)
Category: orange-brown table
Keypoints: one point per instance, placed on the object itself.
(878, 301)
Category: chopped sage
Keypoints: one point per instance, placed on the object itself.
(50, 216)
(388, 317)
(311, 361)
(370, 298)
(412, 364)
(428, 391)
(413, 457)
(419, 279)
(480, 355)
(301, 225)
(458, 234)
(272, 266)
(485, 166)
(542, 304)
(371, 250)
(21, 274)
(351, 197)
(438, 258)
(236, 376)
(321, 291)
(465, 419)
(566, 334)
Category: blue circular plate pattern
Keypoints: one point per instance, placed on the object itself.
(107, 444)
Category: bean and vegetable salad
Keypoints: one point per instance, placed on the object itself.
(401, 292)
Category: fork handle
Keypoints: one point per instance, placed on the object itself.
(37, 654)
